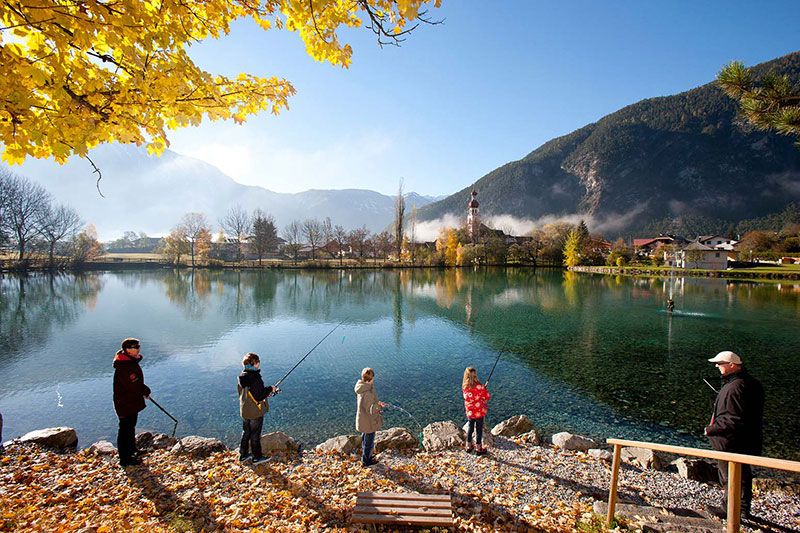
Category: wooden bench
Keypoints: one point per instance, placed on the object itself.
(403, 508)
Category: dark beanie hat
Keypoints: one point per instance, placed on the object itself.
(130, 342)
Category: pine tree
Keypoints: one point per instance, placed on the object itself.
(771, 103)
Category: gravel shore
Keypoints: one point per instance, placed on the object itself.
(516, 487)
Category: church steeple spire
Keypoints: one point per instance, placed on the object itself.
(473, 219)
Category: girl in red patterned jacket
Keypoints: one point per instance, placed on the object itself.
(475, 398)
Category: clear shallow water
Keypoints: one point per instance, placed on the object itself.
(591, 354)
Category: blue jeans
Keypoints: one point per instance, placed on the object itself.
(251, 437)
(475, 424)
(367, 442)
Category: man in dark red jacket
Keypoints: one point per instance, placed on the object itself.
(737, 422)
(129, 395)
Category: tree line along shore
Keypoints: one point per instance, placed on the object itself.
(37, 233)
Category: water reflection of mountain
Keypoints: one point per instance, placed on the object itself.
(602, 336)
(606, 337)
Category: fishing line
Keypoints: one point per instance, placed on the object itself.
(308, 353)
(419, 426)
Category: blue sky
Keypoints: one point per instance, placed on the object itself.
(492, 83)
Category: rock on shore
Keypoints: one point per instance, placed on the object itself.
(518, 486)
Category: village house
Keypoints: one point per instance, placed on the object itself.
(718, 242)
(697, 255)
(645, 247)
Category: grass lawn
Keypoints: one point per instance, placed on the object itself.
(782, 269)
(131, 257)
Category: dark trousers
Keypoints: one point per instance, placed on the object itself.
(251, 437)
(367, 443)
(126, 437)
(475, 424)
(747, 485)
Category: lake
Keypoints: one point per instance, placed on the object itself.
(591, 354)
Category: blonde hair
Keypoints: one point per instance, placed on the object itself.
(251, 359)
(367, 374)
(470, 378)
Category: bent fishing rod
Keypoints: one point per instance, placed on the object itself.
(307, 354)
(175, 427)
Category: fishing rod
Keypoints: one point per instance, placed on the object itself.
(499, 355)
(175, 427)
(307, 354)
(710, 385)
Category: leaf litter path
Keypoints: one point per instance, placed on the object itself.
(519, 488)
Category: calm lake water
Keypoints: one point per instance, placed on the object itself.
(590, 354)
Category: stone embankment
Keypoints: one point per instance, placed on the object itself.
(680, 272)
(525, 483)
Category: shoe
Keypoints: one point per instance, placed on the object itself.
(133, 461)
(369, 463)
(243, 458)
(469, 448)
(481, 451)
(716, 511)
(262, 459)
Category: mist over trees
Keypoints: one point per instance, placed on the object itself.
(31, 223)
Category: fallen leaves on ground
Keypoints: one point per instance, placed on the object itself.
(46, 491)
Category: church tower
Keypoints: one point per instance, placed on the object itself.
(473, 220)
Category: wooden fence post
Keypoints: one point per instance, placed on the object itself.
(734, 496)
(612, 492)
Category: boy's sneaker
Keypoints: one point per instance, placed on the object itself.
(262, 459)
(243, 458)
(133, 461)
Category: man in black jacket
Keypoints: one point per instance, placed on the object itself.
(129, 395)
(737, 422)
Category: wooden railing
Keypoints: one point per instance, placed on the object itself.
(735, 462)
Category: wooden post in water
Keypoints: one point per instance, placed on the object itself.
(734, 496)
(612, 491)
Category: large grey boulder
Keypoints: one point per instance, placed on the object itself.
(101, 448)
(154, 441)
(568, 441)
(58, 438)
(278, 442)
(601, 455)
(442, 436)
(644, 458)
(198, 447)
(516, 425)
(343, 444)
(531, 437)
(487, 439)
(697, 470)
(395, 439)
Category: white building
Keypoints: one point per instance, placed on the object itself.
(697, 255)
(718, 242)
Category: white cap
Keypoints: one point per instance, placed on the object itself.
(726, 357)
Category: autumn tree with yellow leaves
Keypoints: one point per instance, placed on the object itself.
(74, 74)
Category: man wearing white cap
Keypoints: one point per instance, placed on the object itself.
(736, 424)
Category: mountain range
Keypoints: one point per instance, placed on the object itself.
(654, 164)
(150, 194)
(686, 155)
